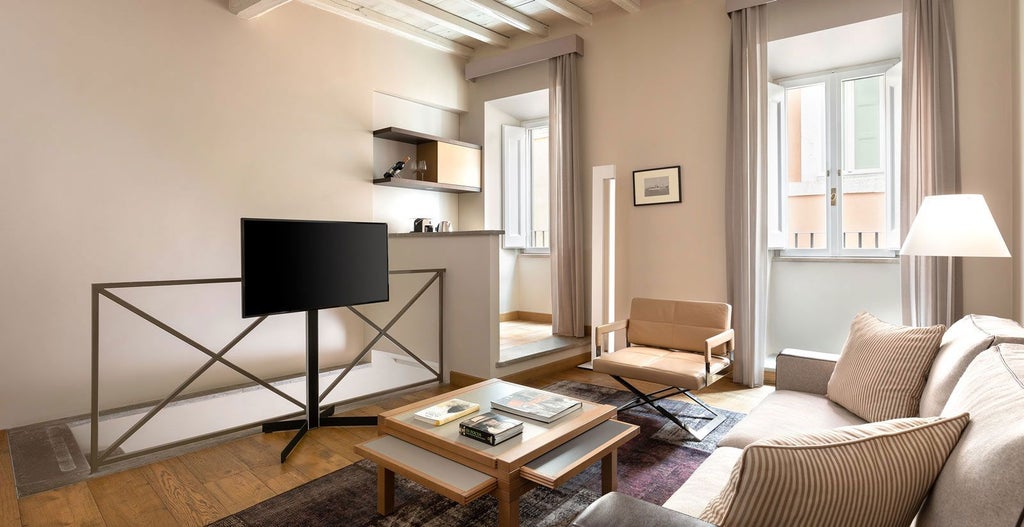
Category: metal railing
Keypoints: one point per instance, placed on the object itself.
(872, 237)
(107, 456)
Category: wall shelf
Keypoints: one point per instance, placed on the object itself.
(402, 135)
(424, 185)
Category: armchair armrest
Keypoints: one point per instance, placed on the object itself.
(615, 509)
(726, 337)
(804, 371)
(604, 329)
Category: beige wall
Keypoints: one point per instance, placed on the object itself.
(986, 77)
(135, 134)
(653, 93)
(1016, 240)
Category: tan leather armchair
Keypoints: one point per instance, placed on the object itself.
(684, 345)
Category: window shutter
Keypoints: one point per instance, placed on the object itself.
(513, 171)
(776, 167)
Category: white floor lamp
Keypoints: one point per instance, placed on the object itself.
(954, 225)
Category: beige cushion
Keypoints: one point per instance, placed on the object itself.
(705, 483)
(983, 480)
(963, 341)
(788, 412)
(677, 324)
(871, 475)
(883, 368)
(671, 368)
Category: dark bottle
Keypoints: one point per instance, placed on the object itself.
(396, 168)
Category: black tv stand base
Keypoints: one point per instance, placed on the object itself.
(303, 426)
(314, 417)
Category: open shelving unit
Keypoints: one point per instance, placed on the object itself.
(402, 135)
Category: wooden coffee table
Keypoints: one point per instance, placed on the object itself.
(464, 469)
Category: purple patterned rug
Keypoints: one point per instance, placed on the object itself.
(651, 467)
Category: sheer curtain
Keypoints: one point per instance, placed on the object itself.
(567, 309)
(930, 162)
(746, 192)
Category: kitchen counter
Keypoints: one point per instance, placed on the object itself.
(443, 234)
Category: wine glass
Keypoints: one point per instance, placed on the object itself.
(421, 168)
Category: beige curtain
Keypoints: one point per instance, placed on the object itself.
(746, 192)
(930, 162)
(567, 309)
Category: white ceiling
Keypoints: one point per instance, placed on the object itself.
(525, 106)
(861, 43)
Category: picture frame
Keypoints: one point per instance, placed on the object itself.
(655, 186)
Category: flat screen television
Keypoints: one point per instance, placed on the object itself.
(300, 265)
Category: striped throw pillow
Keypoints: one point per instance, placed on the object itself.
(882, 371)
(871, 475)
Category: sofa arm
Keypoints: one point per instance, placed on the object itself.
(615, 510)
(804, 371)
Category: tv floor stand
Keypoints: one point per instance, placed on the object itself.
(314, 417)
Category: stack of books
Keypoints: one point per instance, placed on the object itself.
(536, 404)
(447, 411)
(490, 428)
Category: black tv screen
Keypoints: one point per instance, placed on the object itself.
(298, 265)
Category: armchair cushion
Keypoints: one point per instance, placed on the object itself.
(871, 475)
(677, 324)
(788, 412)
(883, 368)
(671, 368)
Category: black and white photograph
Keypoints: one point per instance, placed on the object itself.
(657, 185)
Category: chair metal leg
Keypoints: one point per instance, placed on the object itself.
(697, 433)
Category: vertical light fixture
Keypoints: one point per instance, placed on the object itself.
(954, 225)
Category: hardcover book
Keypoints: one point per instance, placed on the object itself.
(446, 412)
(536, 404)
(491, 428)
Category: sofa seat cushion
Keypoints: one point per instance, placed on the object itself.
(705, 483)
(788, 412)
(870, 475)
(982, 482)
(883, 368)
(961, 343)
(671, 368)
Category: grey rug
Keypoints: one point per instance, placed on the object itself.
(651, 467)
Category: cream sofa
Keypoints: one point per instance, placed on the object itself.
(982, 481)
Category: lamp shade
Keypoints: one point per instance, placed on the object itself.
(954, 225)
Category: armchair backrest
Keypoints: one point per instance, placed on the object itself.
(677, 324)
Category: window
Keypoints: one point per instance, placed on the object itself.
(525, 170)
(833, 163)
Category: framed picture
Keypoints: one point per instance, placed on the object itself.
(654, 186)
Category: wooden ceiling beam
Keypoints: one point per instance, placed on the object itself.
(396, 27)
(445, 19)
(511, 16)
(249, 9)
(630, 6)
(569, 10)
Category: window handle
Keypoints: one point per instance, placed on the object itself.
(832, 197)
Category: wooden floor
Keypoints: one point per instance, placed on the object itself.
(514, 333)
(203, 486)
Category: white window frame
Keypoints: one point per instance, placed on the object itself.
(519, 193)
(833, 81)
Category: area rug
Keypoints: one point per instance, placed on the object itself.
(651, 467)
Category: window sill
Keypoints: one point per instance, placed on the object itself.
(534, 255)
(839, 259)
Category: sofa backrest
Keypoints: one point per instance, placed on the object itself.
(982, 481)
(961, 343)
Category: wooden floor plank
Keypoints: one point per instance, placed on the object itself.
(127, 498)
(214, 463)
(72, 505)
(10, 515)
(239, 491)
(183, 494)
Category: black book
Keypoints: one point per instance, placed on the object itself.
(490, 428)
